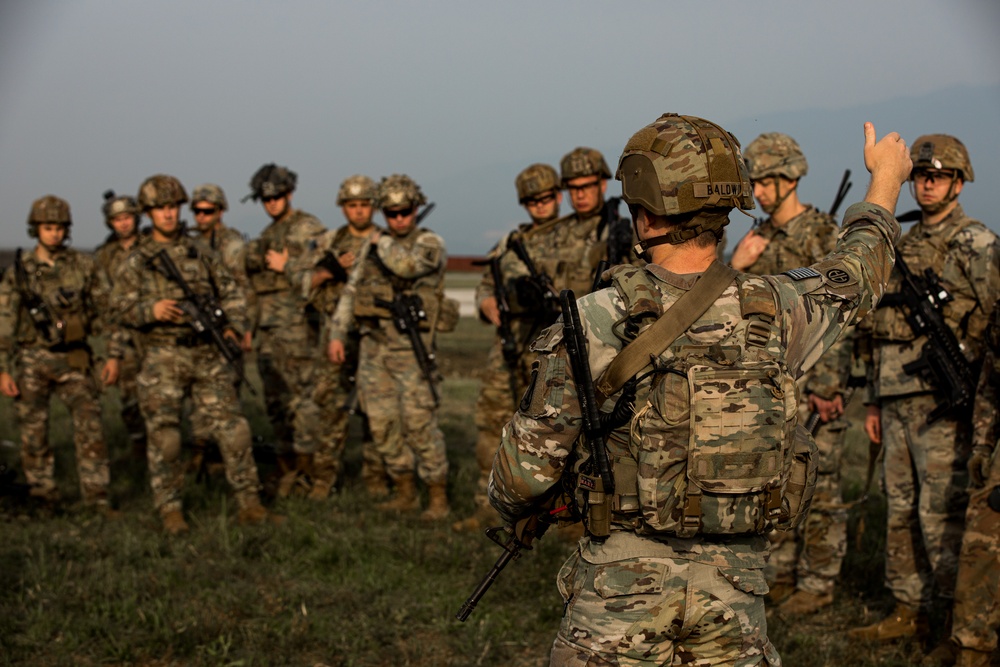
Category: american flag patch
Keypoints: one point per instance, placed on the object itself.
(802, 273)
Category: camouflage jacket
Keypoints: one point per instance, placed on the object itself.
(140, 284)
(282, 297)
(110, 255)
(803, 241)
(965, 255)
(76, 294)
(392, 265)
(337, 242)
(986, 413)
(231, 247)
(811, 312)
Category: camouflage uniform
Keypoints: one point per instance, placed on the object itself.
(977, 589)
(392, 389)
(176, 363)
(76, 293)
(645, 595)
(810, 558)
(287, 347)
(109, 256)
(924, 464)
(335, 382)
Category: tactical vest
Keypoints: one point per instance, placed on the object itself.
(63, 288)
(889, 322)
(714, 447)
(379, 285)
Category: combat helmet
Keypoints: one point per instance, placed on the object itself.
(48, 210)
(116, 205)
(399, 191)
(775, 154)
(685, 166)
(211, 193)
(535, 180)
(583, 161)
(271, 181)
(356, 187)
(941, 151)
(161, 190)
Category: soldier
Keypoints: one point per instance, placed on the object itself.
(336, 387)
(674, 573)
(280, 264)
(924, 462)
(508, 365)
(594, 231)
(177, 361)
(804, 564)
(121, 215)
(208, 203)
(397, 388)
(977, 588)
(50, 301)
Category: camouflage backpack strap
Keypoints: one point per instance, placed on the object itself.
(665, 330)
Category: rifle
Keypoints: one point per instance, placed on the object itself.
(407, 311)
(601, 487)
(619, 233)
(513, 539)
(205, 316)
(544, 295)
(845, 185)
(424, 213)
(508, 344)
(942, 362)
(38, 310)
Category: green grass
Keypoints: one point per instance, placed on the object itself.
(339, 584)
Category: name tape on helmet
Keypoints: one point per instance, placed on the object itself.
(721, 189)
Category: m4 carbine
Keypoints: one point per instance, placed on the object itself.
(205, 315)
(407, 312)
(942, 362)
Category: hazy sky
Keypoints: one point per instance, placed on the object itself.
(461, 95)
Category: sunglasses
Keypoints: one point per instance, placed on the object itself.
(397, 213)
(583, 186)
(268, 200)
(540, 201)
(933, 176)
(205, 211)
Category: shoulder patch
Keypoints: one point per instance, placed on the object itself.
(802, 273)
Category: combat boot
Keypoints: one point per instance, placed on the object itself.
(406, 499)
(779, 592)
(296, 481)
(804, 602)
(174, 523)
(376, 487)
(483, 518)
(904, 621)
(944, 655)
(968, 657)
(253, 513)
(321, 490)
(437, 508)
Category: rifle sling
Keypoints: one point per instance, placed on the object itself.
(665, 330)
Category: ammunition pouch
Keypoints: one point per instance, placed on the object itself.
(366, 299)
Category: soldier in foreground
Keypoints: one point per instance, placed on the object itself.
(50, 301)
(121, 215)
(394, 298)
(671, 571)
(178, 360)
(280, 264)
(336, 383)
(517, 307)
(804, 564)
(921, 421)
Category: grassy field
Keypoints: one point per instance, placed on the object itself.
(339, 584)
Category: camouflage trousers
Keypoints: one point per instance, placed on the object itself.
(128, 394)
(401, 412)
(335, 385)
(168, 374)
(810, 557)
(976, 614)
(655, 610)
(496, 403)
(41, 373)
(925, 482)
(287, 360)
